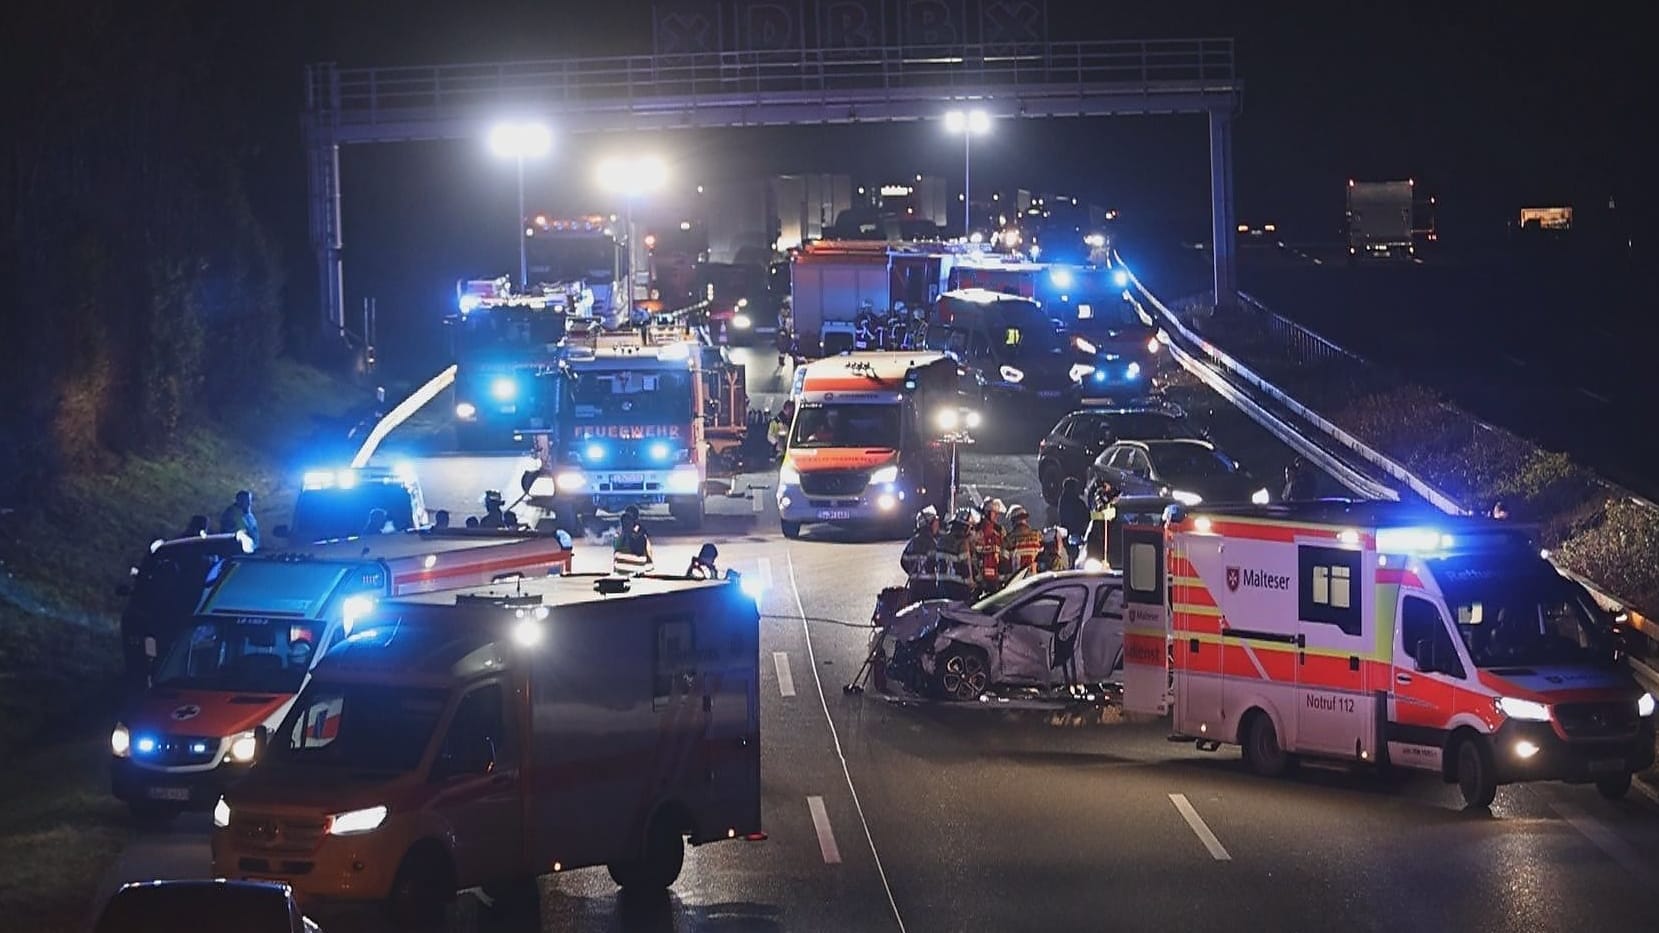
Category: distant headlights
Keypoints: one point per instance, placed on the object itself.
(1011, 373)
(742, 321)
(120, 741)
(1260, 497)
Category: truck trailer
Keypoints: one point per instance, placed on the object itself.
(1380, 219)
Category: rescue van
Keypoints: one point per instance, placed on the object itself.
(487, 736)
(259, 628)
(866, 445)
(1371, 633)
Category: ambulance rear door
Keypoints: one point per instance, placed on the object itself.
(1146, 647)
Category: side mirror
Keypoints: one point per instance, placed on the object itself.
(280, 531)
(261, 741)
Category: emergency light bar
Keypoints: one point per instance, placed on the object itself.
(1412, 540)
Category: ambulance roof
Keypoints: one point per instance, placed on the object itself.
(566, 590)
(398, 546)
(417, 654)
(850, 372)
(1468, 532)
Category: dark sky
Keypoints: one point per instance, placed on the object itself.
(1488, 105)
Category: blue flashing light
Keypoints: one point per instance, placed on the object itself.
(345, 479)
(1120, 278)
(1412, 540)
(470, 303)
(1100, 375)
(318, 479)
(145, 744)
(659, 451)
(504, 389)
(594, 452)
(198, 748)
(1060, 276)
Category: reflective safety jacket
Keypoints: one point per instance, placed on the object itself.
(918, 551)
(986, 545)
(1049, 561)
(1020, 548)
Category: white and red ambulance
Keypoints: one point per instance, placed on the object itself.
(1372, 633)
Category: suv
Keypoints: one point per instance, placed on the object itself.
(1079, 437)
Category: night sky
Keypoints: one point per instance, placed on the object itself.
(1488, 105)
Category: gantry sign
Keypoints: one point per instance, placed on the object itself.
(775, 62)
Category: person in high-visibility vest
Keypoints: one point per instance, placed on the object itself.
(1023, 543)
(987, 548)
(1053, 555)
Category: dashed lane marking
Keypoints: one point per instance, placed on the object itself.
(826, 835)
(1200, 828)
(786, 679)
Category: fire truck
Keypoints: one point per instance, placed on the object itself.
(870, 441)
(483, 737)
(1371, 633)
(503, 341)
(259, 629)
(562, 252)
(638, 415)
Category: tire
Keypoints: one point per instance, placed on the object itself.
(1476, 778)
(1262, 751)
(423, 889)
(1048, 477)
(659, 865)
(1614, 786)
(687, 511)
(791, 530)
(962, 673)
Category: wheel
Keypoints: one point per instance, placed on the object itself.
(1048, 477)
(1614, 786)
(1261, 747)
(687, 511)
(791, 530)
(422, 890)
(1475, 777)
(962, 673)
(658, 865)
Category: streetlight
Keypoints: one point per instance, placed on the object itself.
(969, 123)
(519, 141)
(631, 177)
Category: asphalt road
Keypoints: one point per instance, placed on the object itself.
(931, 817)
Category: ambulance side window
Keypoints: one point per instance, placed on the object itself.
(1329, 587)
(1143, 568)
(478, 720)
(675, 666)
(1419, 622)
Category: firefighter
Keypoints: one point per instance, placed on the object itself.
(493, 517)
(953, 557)
(1053, 556)
(238, 516)
(777, 430)
(919, 550)
(703, 566)
(1022, 543)
(986, 546)
(633, 543)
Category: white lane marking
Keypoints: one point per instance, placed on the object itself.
(765, 570)
(1200, 828)
(1595, 395)
(1604, 839)
(757, 502)
(786, 680)
(1514, 360)
(826, 835)
(835, 737)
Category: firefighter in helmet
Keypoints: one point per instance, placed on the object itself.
(1022, 543)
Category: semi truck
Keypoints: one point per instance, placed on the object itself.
(261, 626)
(832, 281)
(1373, 634)
(483, 737)
(1380, 219)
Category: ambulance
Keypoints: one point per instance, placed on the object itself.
(1369, 632)
(865, 447)
(486, 736)
(261, 625)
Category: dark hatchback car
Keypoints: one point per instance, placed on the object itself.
(1078, 438)
(1187, 470)
(204, 906)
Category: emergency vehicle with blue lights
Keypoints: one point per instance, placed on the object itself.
(505, 344)
(261, 625)
(1370, 633)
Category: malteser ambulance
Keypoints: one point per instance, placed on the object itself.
(1372, 633)
(487, 736)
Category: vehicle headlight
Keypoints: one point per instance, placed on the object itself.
(1260, 497)
(1084, 344)
(659, 451)
(221, 814)
(1080, 371)
(741, 321)
(1186, 498)
(947, 419)
(466, 411)
(1010, 373)
(1152, 345)
(973, 419)
(887, 474)
(1524, 710)
(683, 479)
(569, 480)
(1132, 370)
(120, 740)
(503, 389)
(243, 748)
(788, 476)
(351, 822)
(1644, 706)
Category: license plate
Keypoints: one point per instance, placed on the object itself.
(1607, 766)
(168, 793)
(830, 515)
(1051, 393)
(626, 478)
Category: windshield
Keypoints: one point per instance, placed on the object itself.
(1508, 620)
(840, 425)
(326, 514)
(1026, 333)
(1109, 312)
(242, 655)
(364, 727)
(567, 258)
(1188, 462)
(655, 396)
(509, 328)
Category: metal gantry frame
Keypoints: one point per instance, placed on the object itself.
(737, 89)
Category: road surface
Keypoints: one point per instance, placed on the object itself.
(929, 817)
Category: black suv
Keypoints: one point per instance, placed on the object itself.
(1080, 436)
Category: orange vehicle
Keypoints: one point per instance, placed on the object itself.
(1371, 633)
(260, 628)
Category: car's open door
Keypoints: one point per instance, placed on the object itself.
(1146, 687)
